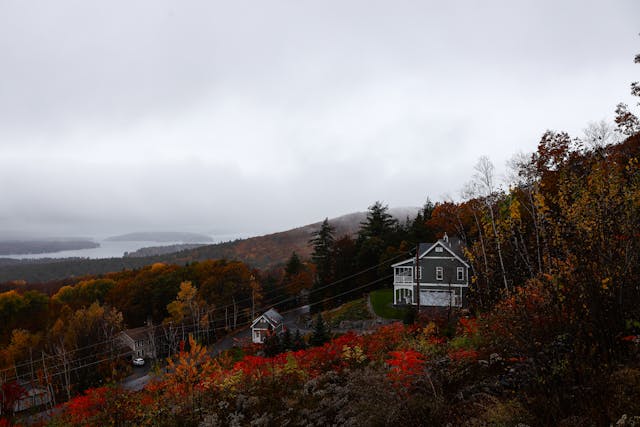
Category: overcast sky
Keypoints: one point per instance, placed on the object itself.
(258, 116)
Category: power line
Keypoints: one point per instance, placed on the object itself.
(192, 325)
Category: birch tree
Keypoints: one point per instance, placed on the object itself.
(484, 180)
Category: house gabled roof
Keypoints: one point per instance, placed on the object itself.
(137, 333)
(453, 245)
(271, 316)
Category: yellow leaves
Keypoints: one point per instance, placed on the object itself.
(187, 292)
(185, 303)
(10, 300)
(606, 283)
(176, 310)
(158, 266)
(21, 342)
(353, 355)
(230, 381)
(540, 203)
(514, 210)
(292, 367)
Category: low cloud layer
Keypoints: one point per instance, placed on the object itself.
(254, 117)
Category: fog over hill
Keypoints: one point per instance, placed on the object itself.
(261, 252)
(161, 236)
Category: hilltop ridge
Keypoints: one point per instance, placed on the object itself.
(264, 251)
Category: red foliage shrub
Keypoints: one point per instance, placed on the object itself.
(383, 340)
(405, 365)
(80, 409)
(10, 394)
(468, 326)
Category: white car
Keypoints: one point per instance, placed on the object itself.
(138, 361)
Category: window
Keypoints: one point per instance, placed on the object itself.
(438, 248)
(439, 274)
(460, 273)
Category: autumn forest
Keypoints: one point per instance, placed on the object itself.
(549, 335)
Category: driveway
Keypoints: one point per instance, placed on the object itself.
(138, 379)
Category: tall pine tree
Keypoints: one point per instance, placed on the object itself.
(322, 256)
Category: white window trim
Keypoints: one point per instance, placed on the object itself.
(460, 273)
(439, 273)
(439, 249)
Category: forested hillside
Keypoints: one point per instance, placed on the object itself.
(551, 335)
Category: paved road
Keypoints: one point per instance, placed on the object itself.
(136, 384)
(292, 321)
(138, 378)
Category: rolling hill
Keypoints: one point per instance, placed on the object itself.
(260, 252)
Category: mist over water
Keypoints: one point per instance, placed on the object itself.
(117, 249)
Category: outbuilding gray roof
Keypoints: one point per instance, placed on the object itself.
(274, 316)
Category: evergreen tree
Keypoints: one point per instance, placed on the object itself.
(323, 258)
(378, 233)
(418, 230)
(286, 342)
(294, 265)
(379, 222)
(320, 332)
(298, 342)
(272, 345)
(322, 242)
(297, 277)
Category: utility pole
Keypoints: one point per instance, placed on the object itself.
(417, 270)
(253, 298)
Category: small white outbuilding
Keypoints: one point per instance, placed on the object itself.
(269, 322)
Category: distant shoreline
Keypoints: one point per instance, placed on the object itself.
(161, 237)
(31, 247)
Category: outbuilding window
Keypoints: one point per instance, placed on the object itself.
(460, 273)
(439, 273)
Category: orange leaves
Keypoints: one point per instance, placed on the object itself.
(187, 369)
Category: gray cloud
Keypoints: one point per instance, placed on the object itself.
(257, 116)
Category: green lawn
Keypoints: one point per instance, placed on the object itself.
(382, 302)
(353, 310)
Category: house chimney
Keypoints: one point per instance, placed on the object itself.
(445, 237)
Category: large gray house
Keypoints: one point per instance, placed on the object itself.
(443, 275)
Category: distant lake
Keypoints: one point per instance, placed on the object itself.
(110, 249)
